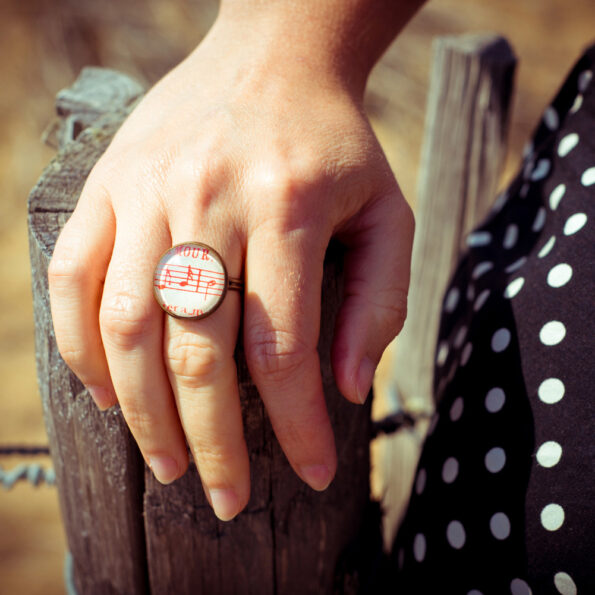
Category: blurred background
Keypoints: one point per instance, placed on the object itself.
(44, 44)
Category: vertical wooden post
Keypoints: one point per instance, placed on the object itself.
(98, 469)
(463, 152)
(462, 156)
(126, 532)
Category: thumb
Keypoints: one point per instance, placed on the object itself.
(377, 271)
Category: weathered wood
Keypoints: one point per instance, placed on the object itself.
(80, 105)
(463, 152)
(98, 468)
(289, 540)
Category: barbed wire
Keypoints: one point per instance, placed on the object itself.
(34, 473)
(23, 450)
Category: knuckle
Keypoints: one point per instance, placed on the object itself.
(73, 355)
(393, 310)
(275, 353)
(291, 197)
(141, 423)
(65, 269)
(193, 360)
(211, 458)
(123, 321)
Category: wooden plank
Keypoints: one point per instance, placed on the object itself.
(289, 540)
(463, 153)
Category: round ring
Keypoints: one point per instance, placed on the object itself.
(190, 281)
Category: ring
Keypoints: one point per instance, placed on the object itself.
(191, 281)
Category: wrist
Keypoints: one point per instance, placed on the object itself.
(338, 40)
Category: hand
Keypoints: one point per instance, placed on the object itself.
(263, 156)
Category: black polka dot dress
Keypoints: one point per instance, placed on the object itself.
(503, 500)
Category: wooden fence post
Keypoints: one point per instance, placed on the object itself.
(463, 152)
(129, 534)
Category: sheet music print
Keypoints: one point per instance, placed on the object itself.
(189, 281)
(176, 277)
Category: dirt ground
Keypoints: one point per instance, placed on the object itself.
(43, 45)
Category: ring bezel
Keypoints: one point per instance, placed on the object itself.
(226, 281)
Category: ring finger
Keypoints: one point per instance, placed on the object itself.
(199, 356)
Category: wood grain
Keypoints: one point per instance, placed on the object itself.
(462, 157)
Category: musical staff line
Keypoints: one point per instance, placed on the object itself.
(190, 279)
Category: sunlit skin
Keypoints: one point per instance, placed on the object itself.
(256, 145)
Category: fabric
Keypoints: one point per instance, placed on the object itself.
(503, 497)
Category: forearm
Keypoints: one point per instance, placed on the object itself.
(344, 38)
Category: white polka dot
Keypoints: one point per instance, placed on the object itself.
(474, 592)
(481, 300)
(524, 190)
(552, 332)
(433, 424)
(511, 236)
(551, 119)
(588, 177)
(574, 223)
(495, 399)
(419, 547)
(420, 482)
(456, 409)
(551, 391)
(452, 299)
(549, 454)
(495, 459)
(578, 102)
(442, 353)
(466, 354)
(519, 587)
(556, 196)
(559, 275)
(547, 247)
(528, 150)
(401, 558)
(565, 584)
(552, 517)
(567, 144)
(460, 337)
(481, 269)
(500, 340)
(516, 265)
(514, 287)
(539, 221)
(542, 169)
(455, 534)
(450, 470)
(479, 238)
(529, 167)
(470, 292)
(500, 526)
(500, 202)
(584, 79)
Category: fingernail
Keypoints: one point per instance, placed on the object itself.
(225, 503)
(365, 377)
(165, 469)
(101, 396)
(318, 477)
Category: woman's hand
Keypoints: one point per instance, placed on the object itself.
(263, 155)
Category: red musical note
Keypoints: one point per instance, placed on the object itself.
(189, 277)
(167, 279)
(208, 285)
